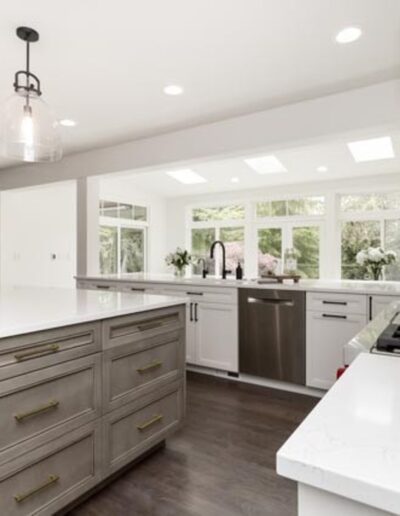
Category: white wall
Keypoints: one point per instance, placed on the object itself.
(35, 224)
(121, 189)
(177, 211)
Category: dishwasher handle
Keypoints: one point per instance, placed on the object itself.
(270, 301)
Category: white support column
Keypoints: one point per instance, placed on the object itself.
(87, 226)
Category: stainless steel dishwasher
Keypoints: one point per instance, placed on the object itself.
(272, 341)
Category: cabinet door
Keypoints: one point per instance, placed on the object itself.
(216, 329)
(378, 303)
(327, 333)
(190, 334)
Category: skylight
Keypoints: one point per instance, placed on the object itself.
(266, 165)
(372, 150)
(187, 176)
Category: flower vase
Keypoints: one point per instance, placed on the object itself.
(179, 273)
(376, 273)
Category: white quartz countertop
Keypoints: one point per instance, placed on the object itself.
(350, 443)
(366, 339)
(29, 309)
(350, 286)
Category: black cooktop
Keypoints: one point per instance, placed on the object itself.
(389, 339)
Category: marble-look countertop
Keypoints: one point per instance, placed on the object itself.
(349, 286)
(349, 444)
(29, 309)
(366, 339)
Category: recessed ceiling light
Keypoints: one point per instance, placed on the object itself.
(235, 180)
(322, 168)
(187, 176)
(348, 35)
(173, 89)
(372, 150)
(67, 122)
(266, 165)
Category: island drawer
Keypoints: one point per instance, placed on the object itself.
(134, 369)
(337, 303)
(49, 477)
(132, 429)
(45, 403)
(25, 353)
(133, 328)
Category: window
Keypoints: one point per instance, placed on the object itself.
(233, 239)
(201, 243)
(291, 207)
(132, 250)
(269, 249)
(123, 231)
(392, 243)
(357, 235)
(230, 212)
(306, 242)
(298, 227)
(369, 220)
(108, 250)
(122, 211)
(370, 202)
(224, 223)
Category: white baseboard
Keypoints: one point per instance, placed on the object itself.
(256, 380)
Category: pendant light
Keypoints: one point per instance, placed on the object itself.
(29, 130)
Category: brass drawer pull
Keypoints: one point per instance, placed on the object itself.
(148, 367)
(34, 412)
(36, 352)
(149, 326)
(50, 481)
(150, 422)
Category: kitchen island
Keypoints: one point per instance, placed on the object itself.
(89, 382)
(345, 455)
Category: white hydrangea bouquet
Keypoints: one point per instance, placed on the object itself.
(374, 259)
(180, 259)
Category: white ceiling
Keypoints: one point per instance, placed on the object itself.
(104, 64)
(301, 164)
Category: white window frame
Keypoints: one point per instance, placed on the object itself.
(286, 225)
(251, 224)
(120, 223)
(215, 224)
(363, 216)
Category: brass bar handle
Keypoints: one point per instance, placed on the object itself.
(36, 352)
(50, 481)
(148, 367)
(34, 412)
(150, 422)
(149, 326)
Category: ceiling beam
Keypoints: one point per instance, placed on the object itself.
(359, 111)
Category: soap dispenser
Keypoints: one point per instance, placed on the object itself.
(239, 272)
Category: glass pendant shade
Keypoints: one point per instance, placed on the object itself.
(29, 131)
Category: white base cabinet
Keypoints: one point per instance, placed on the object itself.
(212, 336)
(212, 332)
(332, 320)
(327, 333)
(216, 336)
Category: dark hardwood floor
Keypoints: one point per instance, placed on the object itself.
(221, 463)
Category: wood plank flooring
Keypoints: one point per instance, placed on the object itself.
(222, 463)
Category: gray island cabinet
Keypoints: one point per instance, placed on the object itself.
(80, 401)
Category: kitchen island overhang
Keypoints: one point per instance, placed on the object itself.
(345, 455)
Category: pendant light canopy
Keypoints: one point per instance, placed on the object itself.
(29, 129)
